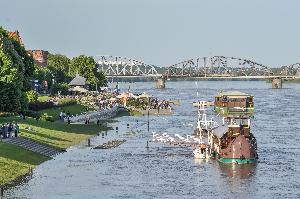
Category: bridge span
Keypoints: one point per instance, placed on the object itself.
(189, 78)
(202, 68)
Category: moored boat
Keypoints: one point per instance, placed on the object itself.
(228, 133)
(234, 142)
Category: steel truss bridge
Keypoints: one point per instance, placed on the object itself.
(216, 66)
(293, 70)
(122, 66)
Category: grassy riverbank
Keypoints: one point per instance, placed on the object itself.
(72, 109)
(55, 134)
(16, 161)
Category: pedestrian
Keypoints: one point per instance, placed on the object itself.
(9, 130)
(5, 130)
(16, 129)
(69, 121)
(61, 115)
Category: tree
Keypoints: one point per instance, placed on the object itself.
(16, 70)
(59, 67)
(87, 67)
(100, 78)
(44, 76)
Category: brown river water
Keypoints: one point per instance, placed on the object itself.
(134, 171)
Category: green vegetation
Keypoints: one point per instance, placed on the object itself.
(15, 162)
(73, 109)
(16, 71)
(87, 67)
(44, 98)
(54, 134)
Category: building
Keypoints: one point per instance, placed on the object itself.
(78, 84)
(40, 57)
(78, 81)
(17, 36)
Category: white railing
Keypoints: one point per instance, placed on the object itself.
(94, 115)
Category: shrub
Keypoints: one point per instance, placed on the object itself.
(33, 114)
(66, 102)
(60, 87)
(31, 96)
(6, 114)
(47, 117)
(37, 106)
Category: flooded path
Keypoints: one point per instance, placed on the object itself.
(133, 171)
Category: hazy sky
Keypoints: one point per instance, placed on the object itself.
(160, 32)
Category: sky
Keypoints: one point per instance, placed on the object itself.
(160, 32)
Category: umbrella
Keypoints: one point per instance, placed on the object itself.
(144, 95)
(78, 89)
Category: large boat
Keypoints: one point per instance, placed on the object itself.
(233, 141)
(228, 133)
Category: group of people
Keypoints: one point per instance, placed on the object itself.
(156, 104)
(92, 100)
(9, 130)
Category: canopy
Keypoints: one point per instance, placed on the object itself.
(144, 95)
(126, 95)
(78, 81)
(78, 89)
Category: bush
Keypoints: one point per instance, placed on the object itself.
(37, 106)
(6, 114)
(60, 87)
(32, 114)
(31, 96)
(66, 102)
(47, 117)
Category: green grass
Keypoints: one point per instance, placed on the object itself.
(43, 98)
(15, 162)
(73, 109)
(55, 134)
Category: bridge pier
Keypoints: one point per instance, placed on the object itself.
(277, 83)
(160, 82)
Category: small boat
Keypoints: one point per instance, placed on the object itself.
(201, 152)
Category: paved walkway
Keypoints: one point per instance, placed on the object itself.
(33, 146)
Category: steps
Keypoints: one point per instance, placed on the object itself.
(33, 146)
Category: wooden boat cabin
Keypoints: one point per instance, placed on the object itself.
(234, 102)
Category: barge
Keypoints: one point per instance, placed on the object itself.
(228, 134)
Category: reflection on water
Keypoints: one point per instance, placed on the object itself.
(134, 171)
(237, 170)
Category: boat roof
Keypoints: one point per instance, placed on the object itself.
(233, 94)
(220, 130)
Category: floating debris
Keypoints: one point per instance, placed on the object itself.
(110, 144)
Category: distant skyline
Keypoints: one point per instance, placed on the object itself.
(159, 32)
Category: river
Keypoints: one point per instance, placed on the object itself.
(133, 171)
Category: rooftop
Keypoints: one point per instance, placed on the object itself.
(78, 81)
(233, 94)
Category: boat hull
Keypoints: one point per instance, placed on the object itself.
(236, 160)
(239, 151)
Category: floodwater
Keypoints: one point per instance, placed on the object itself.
(133, 171)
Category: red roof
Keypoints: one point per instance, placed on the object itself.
(17, 36)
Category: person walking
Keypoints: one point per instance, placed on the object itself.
(17, 128)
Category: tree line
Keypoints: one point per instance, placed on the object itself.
(18, 72)
(60, 70)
